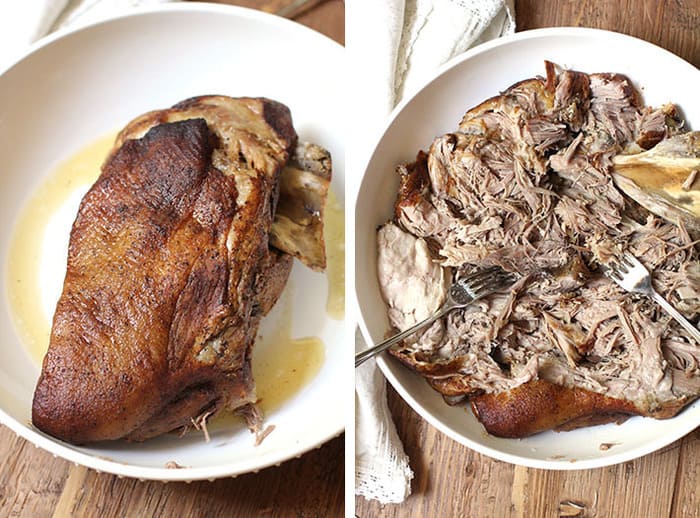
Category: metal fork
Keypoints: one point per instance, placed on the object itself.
(631, 275)
(462, 293)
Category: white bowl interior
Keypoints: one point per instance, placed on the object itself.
(77, 86)
(437, 108)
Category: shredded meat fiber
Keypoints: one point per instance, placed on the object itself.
(525, 183)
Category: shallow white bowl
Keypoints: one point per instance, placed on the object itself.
(436, 109)
(76, 86)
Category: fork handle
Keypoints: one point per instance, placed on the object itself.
(365, 355)
(675, 314)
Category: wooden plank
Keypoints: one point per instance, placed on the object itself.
(324, 16)
(301, 487)
(73, 489)
(31, 480)
(33, 483)
(648, 489)
(686, 498)
(671, 25)
(451, 479)
(443, 467)
(327, 18)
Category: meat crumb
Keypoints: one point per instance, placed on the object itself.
(605, 446)
(571, 509)
(260, 436)
(201, 424)
(173, 465)
(688, 183)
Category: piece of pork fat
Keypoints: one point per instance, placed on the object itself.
(413, 285)
(525, 183)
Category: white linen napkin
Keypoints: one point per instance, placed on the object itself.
(405, 42)
(381, 467)
(23, 22)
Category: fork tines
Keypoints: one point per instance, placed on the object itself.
(615, 270)
(619, 266)
(491, 278)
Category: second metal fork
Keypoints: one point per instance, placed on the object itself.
(632, 275)
(461, 293)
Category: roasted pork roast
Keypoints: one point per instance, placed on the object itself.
(170, 270)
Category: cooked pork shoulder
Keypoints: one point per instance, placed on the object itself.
(525, 183)
(169, 273)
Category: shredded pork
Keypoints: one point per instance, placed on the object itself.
(525, 183)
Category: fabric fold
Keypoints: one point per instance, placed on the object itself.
(24, 22)
(382, 471)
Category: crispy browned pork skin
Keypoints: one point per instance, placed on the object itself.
(169, 273)
(525, 183)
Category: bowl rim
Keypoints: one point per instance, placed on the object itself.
(384, 363)
(146, 10)
(102, 464)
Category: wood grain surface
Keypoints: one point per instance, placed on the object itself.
(324, 16)
(671, 24)
(35, 484)
(452, 480)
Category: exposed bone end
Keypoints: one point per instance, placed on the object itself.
(663, 179)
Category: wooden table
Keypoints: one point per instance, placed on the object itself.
(450, 479)
(35, 484)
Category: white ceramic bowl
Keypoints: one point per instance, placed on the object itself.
(76, 86)
(436, 109)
